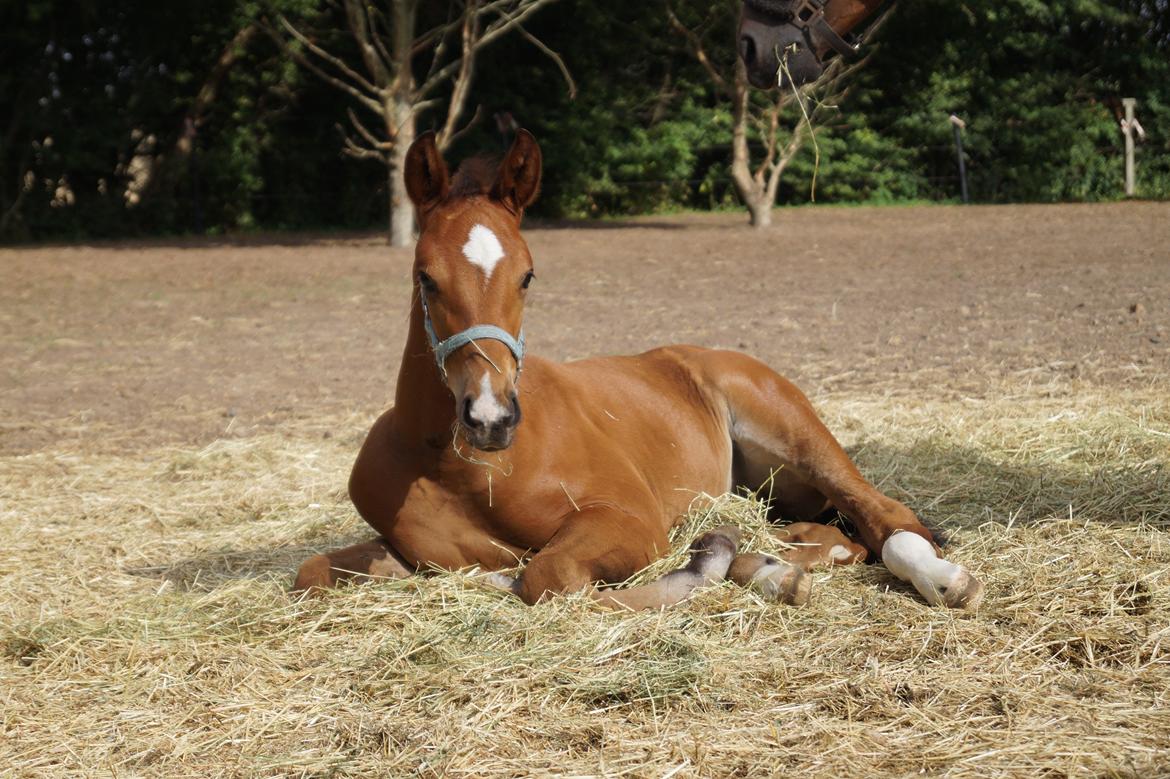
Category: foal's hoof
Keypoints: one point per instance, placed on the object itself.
(791, 586)
(315, 576)
(713, 552)
(964, 592)
(773, 579)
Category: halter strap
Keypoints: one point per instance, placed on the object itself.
(443, 349)
(807, 16)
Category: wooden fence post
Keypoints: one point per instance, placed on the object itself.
(1130, 125)
(958, 125)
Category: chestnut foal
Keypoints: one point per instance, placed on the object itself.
(610, 451)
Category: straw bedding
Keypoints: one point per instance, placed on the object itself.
(145, 627)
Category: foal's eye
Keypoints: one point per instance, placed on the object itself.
(528, 277)
(426, 282)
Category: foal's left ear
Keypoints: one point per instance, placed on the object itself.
(518, 182)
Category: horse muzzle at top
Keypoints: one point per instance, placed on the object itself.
(764, 45)
(783, 43)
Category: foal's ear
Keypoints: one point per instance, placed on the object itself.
(518, 182)
(427, 181)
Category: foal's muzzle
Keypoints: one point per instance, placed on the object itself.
(487, 423)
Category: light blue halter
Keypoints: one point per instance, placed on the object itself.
(443, 349)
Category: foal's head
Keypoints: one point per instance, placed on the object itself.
(471, 270)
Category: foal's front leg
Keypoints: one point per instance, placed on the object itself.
(368, 561)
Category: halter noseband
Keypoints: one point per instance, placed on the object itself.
(808, 16)
(442, 349)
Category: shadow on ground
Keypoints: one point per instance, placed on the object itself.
(212, 569)
(960, 487)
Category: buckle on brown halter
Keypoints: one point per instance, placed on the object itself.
(809, 15)
(805, 11)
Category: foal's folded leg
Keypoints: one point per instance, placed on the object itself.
(604, 545)
(367, 561)
(817, 546)
(784, 577)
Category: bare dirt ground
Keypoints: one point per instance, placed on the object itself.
(177, 420)
(132, 344)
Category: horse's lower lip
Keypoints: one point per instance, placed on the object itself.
(488, 443)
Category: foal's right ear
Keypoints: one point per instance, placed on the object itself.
(427, 181)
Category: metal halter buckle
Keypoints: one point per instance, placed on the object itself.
(809, 15)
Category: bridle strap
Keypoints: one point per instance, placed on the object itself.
(819, 28)
(443, 349)
(808, 16)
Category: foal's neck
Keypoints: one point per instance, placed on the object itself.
(424, 410)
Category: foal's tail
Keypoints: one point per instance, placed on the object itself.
(711, 556)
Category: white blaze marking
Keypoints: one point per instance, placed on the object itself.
(485, 409)
(911, 558)
(839, 552)
(483, 250)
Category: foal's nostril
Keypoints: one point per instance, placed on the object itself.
(470, 421)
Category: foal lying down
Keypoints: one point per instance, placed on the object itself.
(490, 455)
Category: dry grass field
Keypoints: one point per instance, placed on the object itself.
(177, 420)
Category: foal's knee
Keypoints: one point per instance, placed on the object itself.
(554, 575)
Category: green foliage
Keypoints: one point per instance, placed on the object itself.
(88, 91)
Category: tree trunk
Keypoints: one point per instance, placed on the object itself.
(761, 212)
(400, 121)
(401, 209)
(753, 193)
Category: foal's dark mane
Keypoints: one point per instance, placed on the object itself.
(475, 176)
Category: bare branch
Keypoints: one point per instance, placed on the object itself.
(365, 133)
(336, 62)
(374, 15)
(556, 58)
(696, 45)
(353, 149)
(365, 100)
(475, 120)
(491, 33)
(462, 83)
(382, 70)
(227, 59)
(442, 34)
(422, 106)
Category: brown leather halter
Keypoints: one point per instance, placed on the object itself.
(808, 16)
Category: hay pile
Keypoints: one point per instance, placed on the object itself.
(145, 629)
